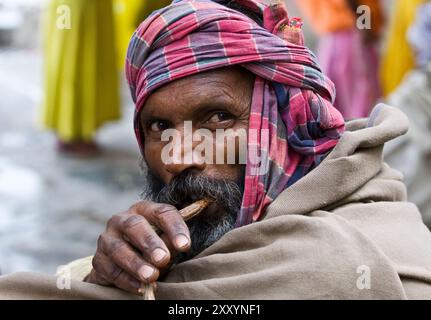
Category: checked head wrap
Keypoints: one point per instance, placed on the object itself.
(292, 99)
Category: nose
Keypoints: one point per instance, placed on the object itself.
(185, 159)
(176, 169)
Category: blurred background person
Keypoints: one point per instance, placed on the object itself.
(81, 91)
(348, 55)
(398, 57)
(411, 154)
(128, 15)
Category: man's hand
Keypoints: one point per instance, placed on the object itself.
(130, 252)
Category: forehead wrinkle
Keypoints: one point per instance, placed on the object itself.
(191, 109)
(194, 86)
(228, 86)
(189, 100)
(226, 78)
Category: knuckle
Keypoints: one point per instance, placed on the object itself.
(115, 273)
(102, 280)
(96, 263)
(134, 263)
(164, 210)
(151, 242)
(132, 221)
(105, 270)
(139, 206)
(174, 225)
(101, 242)
(114, 246)
(114, 221)
(180, 229)
(125, 282)
(134, 208)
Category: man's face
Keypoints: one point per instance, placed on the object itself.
(212, 102)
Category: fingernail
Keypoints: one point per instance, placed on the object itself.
(159, 255)
(181, 241)
(146, 272)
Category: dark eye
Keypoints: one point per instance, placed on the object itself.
(158, 126)
(219, 117)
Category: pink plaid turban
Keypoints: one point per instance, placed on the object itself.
(292, 99)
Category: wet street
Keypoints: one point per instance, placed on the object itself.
(53, 208)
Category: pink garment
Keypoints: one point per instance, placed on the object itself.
(353, 67)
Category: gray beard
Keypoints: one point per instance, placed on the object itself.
(205, 230)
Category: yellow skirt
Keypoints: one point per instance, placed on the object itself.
(398, 57)
(81, 80)
(128, 15)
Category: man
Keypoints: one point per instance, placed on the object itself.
(412, 154)
(312, 213)
(81, 84)
(398, 56)
(347, 54)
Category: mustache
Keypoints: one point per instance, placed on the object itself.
(188, 188)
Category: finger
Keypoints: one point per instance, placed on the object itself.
(173, 252)
(126, 258)
(95, 278)
(142, 236)
(168, 219)
(108, 273)
(126, 282)
(100, 280)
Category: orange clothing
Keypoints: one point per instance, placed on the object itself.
(327, 16)
(377, 15)
(336, 15)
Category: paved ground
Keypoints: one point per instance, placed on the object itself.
(52, 208)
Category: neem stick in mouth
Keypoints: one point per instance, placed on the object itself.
(188, 213)
(195, 209)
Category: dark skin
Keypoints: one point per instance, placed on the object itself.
(129, 252)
